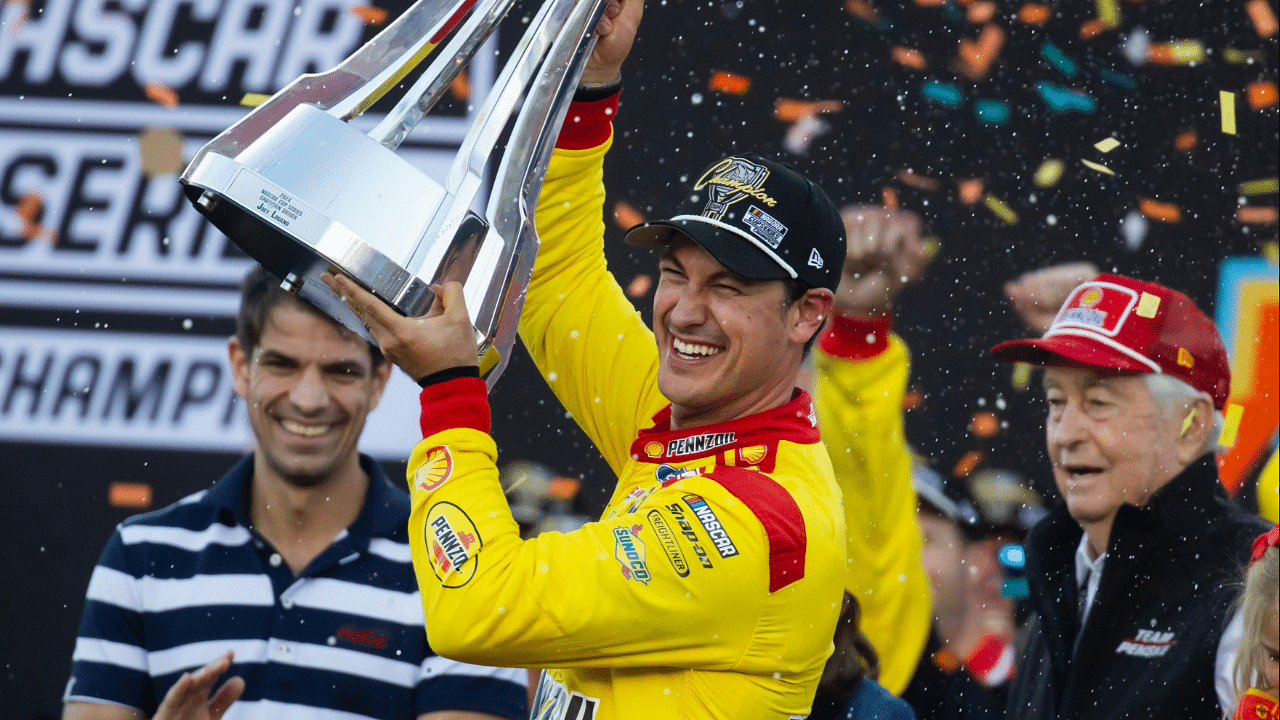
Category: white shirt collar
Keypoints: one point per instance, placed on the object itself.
(1088, 571)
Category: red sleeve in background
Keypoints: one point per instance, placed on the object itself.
(856, 338)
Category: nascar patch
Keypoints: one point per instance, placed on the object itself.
(629, 550)
(436, 470)
(667, 539)
(452, 541)
(707, 517)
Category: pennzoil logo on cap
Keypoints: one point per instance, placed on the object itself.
(731, 180)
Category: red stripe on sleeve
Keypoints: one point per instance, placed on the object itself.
(458, 403)
(588, 124)
(777, 511)
(857, 338)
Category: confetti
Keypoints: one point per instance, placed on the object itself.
(1108, 12)
(460, 88)
(639, 286)
(890, 197)
(1062, 99)
(369, 15)
(1231, 424)
(942, 93)
(730, 83)
(931, 247)
(161, 151)
(129, 494)
(985, 424)
(970, 190)
(1260, 187)
(1049, 173)
(563, 488)
(912, 399)
(919, 182)
(1263, 17)
(992, 112)
(161, 94)
(788, 110)
(1000, 210)
(1093, 28)
(1034, 13)
(802, 133)
(975, 56)
(1095, 166)
(253, 99)
(1165, 212)
(1020, 377)
(1228, 102)
(1148, 305)
(1257, 215)
(1106, 145)
(1118, 79)
(29, 209)
(1177, 52)
(1271, 252)
(1236, 56)
(1186, 141)
(913, 59)
(967, 463)
(626, 216)
(980, 12)
(1261, 94)
(1058, 60)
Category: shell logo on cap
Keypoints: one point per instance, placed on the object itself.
(1090, 297)
(653, 448)
(437, 469)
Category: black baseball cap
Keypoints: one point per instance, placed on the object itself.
(760, 219)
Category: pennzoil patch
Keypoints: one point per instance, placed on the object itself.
(452, 542)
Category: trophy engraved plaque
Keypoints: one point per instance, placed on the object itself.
(300, 190)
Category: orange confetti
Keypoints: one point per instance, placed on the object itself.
(890, 197)
(862, 9)
(639, 286)
(1162, 211)
(1093, 28)
(931, 3)
(985, 424)
(975, 56)
(1256, 215)
(369, 14)
(728, 82)
(912, 399)
(460, 88)
(1263, 17)
(161, 94)
(919, 182)
(29, 208)
(788, 110)
(967, 463)
(981, 12)
(563, 488)
(1261, 94)
(970, 190)
(1186, 141)
(129, 495)
(1034, 13)
(913, 59)
(625, 215)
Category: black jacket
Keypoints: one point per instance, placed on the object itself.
(1150, 640)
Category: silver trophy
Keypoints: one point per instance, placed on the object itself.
(300, 190)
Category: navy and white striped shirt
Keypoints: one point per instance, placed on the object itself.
(343, 640)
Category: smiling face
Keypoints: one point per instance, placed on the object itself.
(727, 346)
(1109, 444)
(308, 387)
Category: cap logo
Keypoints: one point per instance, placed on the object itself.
(1099, 307)
(1185, 359)
(765, 226)
(1090, 297)
(731, 180)
(814, 258)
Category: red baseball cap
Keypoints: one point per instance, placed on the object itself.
(1118, 323)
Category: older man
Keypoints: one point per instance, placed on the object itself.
(1130, 579)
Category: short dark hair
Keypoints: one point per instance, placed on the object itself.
(793, 289)
(260, 292)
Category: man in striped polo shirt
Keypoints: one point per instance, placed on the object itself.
(293, 571)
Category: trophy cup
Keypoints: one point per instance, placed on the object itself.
(300, 190)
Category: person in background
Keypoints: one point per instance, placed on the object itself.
(292, 572)
(1257, 667)
(848, 689)
(1128, 577)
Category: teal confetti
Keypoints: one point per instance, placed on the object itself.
(1063, 99)
(942, 93)
(992, 112)
(1058, 60)
(1118, 79)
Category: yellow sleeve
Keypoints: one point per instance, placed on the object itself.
(620, 593)
(587, 339)
(859, 407)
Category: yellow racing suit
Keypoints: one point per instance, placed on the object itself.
(710, 586)
(860, 375)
